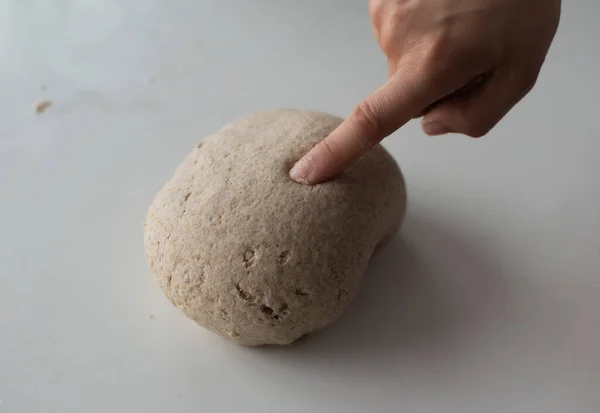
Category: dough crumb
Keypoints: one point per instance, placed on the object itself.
(151, 316)
(41, 106)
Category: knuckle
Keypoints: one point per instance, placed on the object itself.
(365, 121)
(478, 129)
(446, 57)
(400, 14)
(331, 153)
(438, 49)
(376, 10)
(388, 41)
(528, 80)
(389, 19)
(439, 59)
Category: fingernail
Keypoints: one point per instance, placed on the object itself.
(433, 129)
(299, 173)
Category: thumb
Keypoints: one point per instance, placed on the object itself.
(476, 113)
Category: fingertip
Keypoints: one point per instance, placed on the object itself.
(299, 172)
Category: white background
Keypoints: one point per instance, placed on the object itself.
(488, 302)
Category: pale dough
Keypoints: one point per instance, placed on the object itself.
(255, 257)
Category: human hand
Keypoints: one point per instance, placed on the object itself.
(461, 64)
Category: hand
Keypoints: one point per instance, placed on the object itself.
(461, 64)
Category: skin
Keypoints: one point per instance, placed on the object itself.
(461, 65)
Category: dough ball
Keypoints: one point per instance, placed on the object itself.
(253, 256)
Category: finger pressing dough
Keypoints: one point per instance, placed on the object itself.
(253, 256)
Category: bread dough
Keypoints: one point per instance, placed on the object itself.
(253, 256)
(41, 106)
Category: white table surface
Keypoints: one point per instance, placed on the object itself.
(488, 302)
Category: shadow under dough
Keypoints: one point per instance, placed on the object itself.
(424, 297)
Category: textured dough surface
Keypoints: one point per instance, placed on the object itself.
(251, 255)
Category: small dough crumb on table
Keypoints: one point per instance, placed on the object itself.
(41, 106)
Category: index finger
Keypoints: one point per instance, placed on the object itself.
(387, 109)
